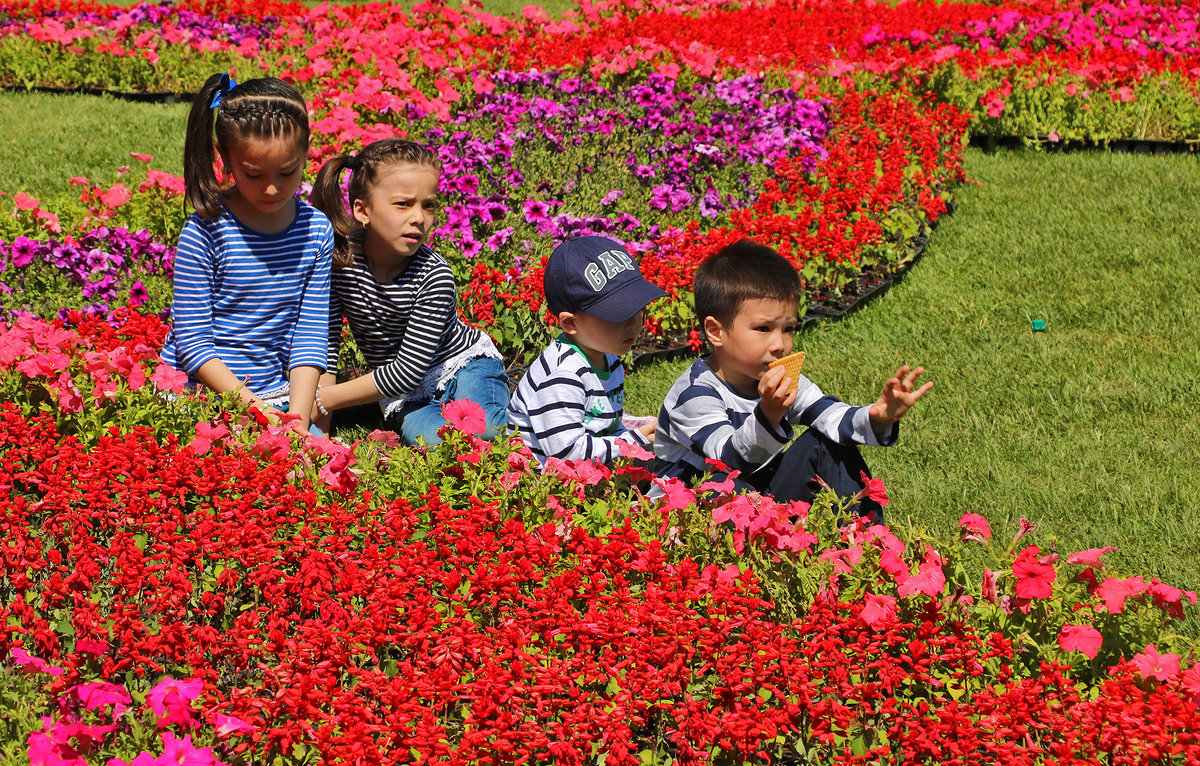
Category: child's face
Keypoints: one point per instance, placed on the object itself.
(266, 172)
(399, 212)
(761, 332)
(596, 337)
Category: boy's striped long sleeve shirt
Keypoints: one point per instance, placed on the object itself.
(704, 417)
(565, 408)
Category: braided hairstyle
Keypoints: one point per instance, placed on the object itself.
(366, 168)
(225, 114)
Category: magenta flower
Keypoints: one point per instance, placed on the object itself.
(227, 725)
(31, 664)
(100, 694)
(172, 700)
(181, 751)
(536, 211)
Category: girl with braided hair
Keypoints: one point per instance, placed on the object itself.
(252, 269)
(400, 299)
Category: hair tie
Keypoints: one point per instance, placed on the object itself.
(355, 162)
(227, 84)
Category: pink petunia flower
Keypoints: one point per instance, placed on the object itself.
(1035, 578)
(873, 489)
(1080, 638)
(206, 435)
(100, 694)
(677, 495)
(975, 527)
(31, 664)
(1114, 591)
(878, 611)
(465, 415)
(227, 725)
(930, 580)
(24, 202)
(1151, 664)
(167, 378)
(171, 700)
(181, 751)
(1090, 557)
(386, 438)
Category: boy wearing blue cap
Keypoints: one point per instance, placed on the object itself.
(569, 403)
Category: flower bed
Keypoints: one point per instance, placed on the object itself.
(370, 605)
(183, 577)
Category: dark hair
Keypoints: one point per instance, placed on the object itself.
(366, 168)
(739, 272)
(265, 108)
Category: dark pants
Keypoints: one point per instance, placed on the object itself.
(790, 475)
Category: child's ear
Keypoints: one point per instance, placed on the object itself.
(714, 332)
(359, 208)
(566, 320)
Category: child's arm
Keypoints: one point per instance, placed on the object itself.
(700, 421)
(897, 397)
(214, 374)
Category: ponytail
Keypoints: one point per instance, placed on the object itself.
(365, 170)
(328, 198)
(225, 113)
(199, 178)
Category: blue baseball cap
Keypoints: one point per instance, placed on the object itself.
(597, 275)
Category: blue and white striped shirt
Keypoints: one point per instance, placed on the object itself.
(704, 417)
(565, 408)
(258, 302)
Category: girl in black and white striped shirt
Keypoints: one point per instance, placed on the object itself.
(400, 298)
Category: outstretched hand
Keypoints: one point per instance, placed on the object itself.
(898, 395)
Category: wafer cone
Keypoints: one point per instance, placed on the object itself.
(792, 363)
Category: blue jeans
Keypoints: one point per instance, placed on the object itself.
(482, 381)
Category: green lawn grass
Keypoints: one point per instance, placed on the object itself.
(47, 138)
(1088, 429)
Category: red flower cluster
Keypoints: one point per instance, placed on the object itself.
(888, 154)
(442, 626)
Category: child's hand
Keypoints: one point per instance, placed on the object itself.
(777, 392)
(898, 395)
(648, 430)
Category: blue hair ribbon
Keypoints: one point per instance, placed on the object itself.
(227, 84)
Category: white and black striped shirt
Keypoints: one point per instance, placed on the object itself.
(704, 417)
(403, 328)
(565, 408)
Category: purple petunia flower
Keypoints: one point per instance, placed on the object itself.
(612, 196)
(536, 211)
(24, 250)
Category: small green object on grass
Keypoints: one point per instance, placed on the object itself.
(1039, 325)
